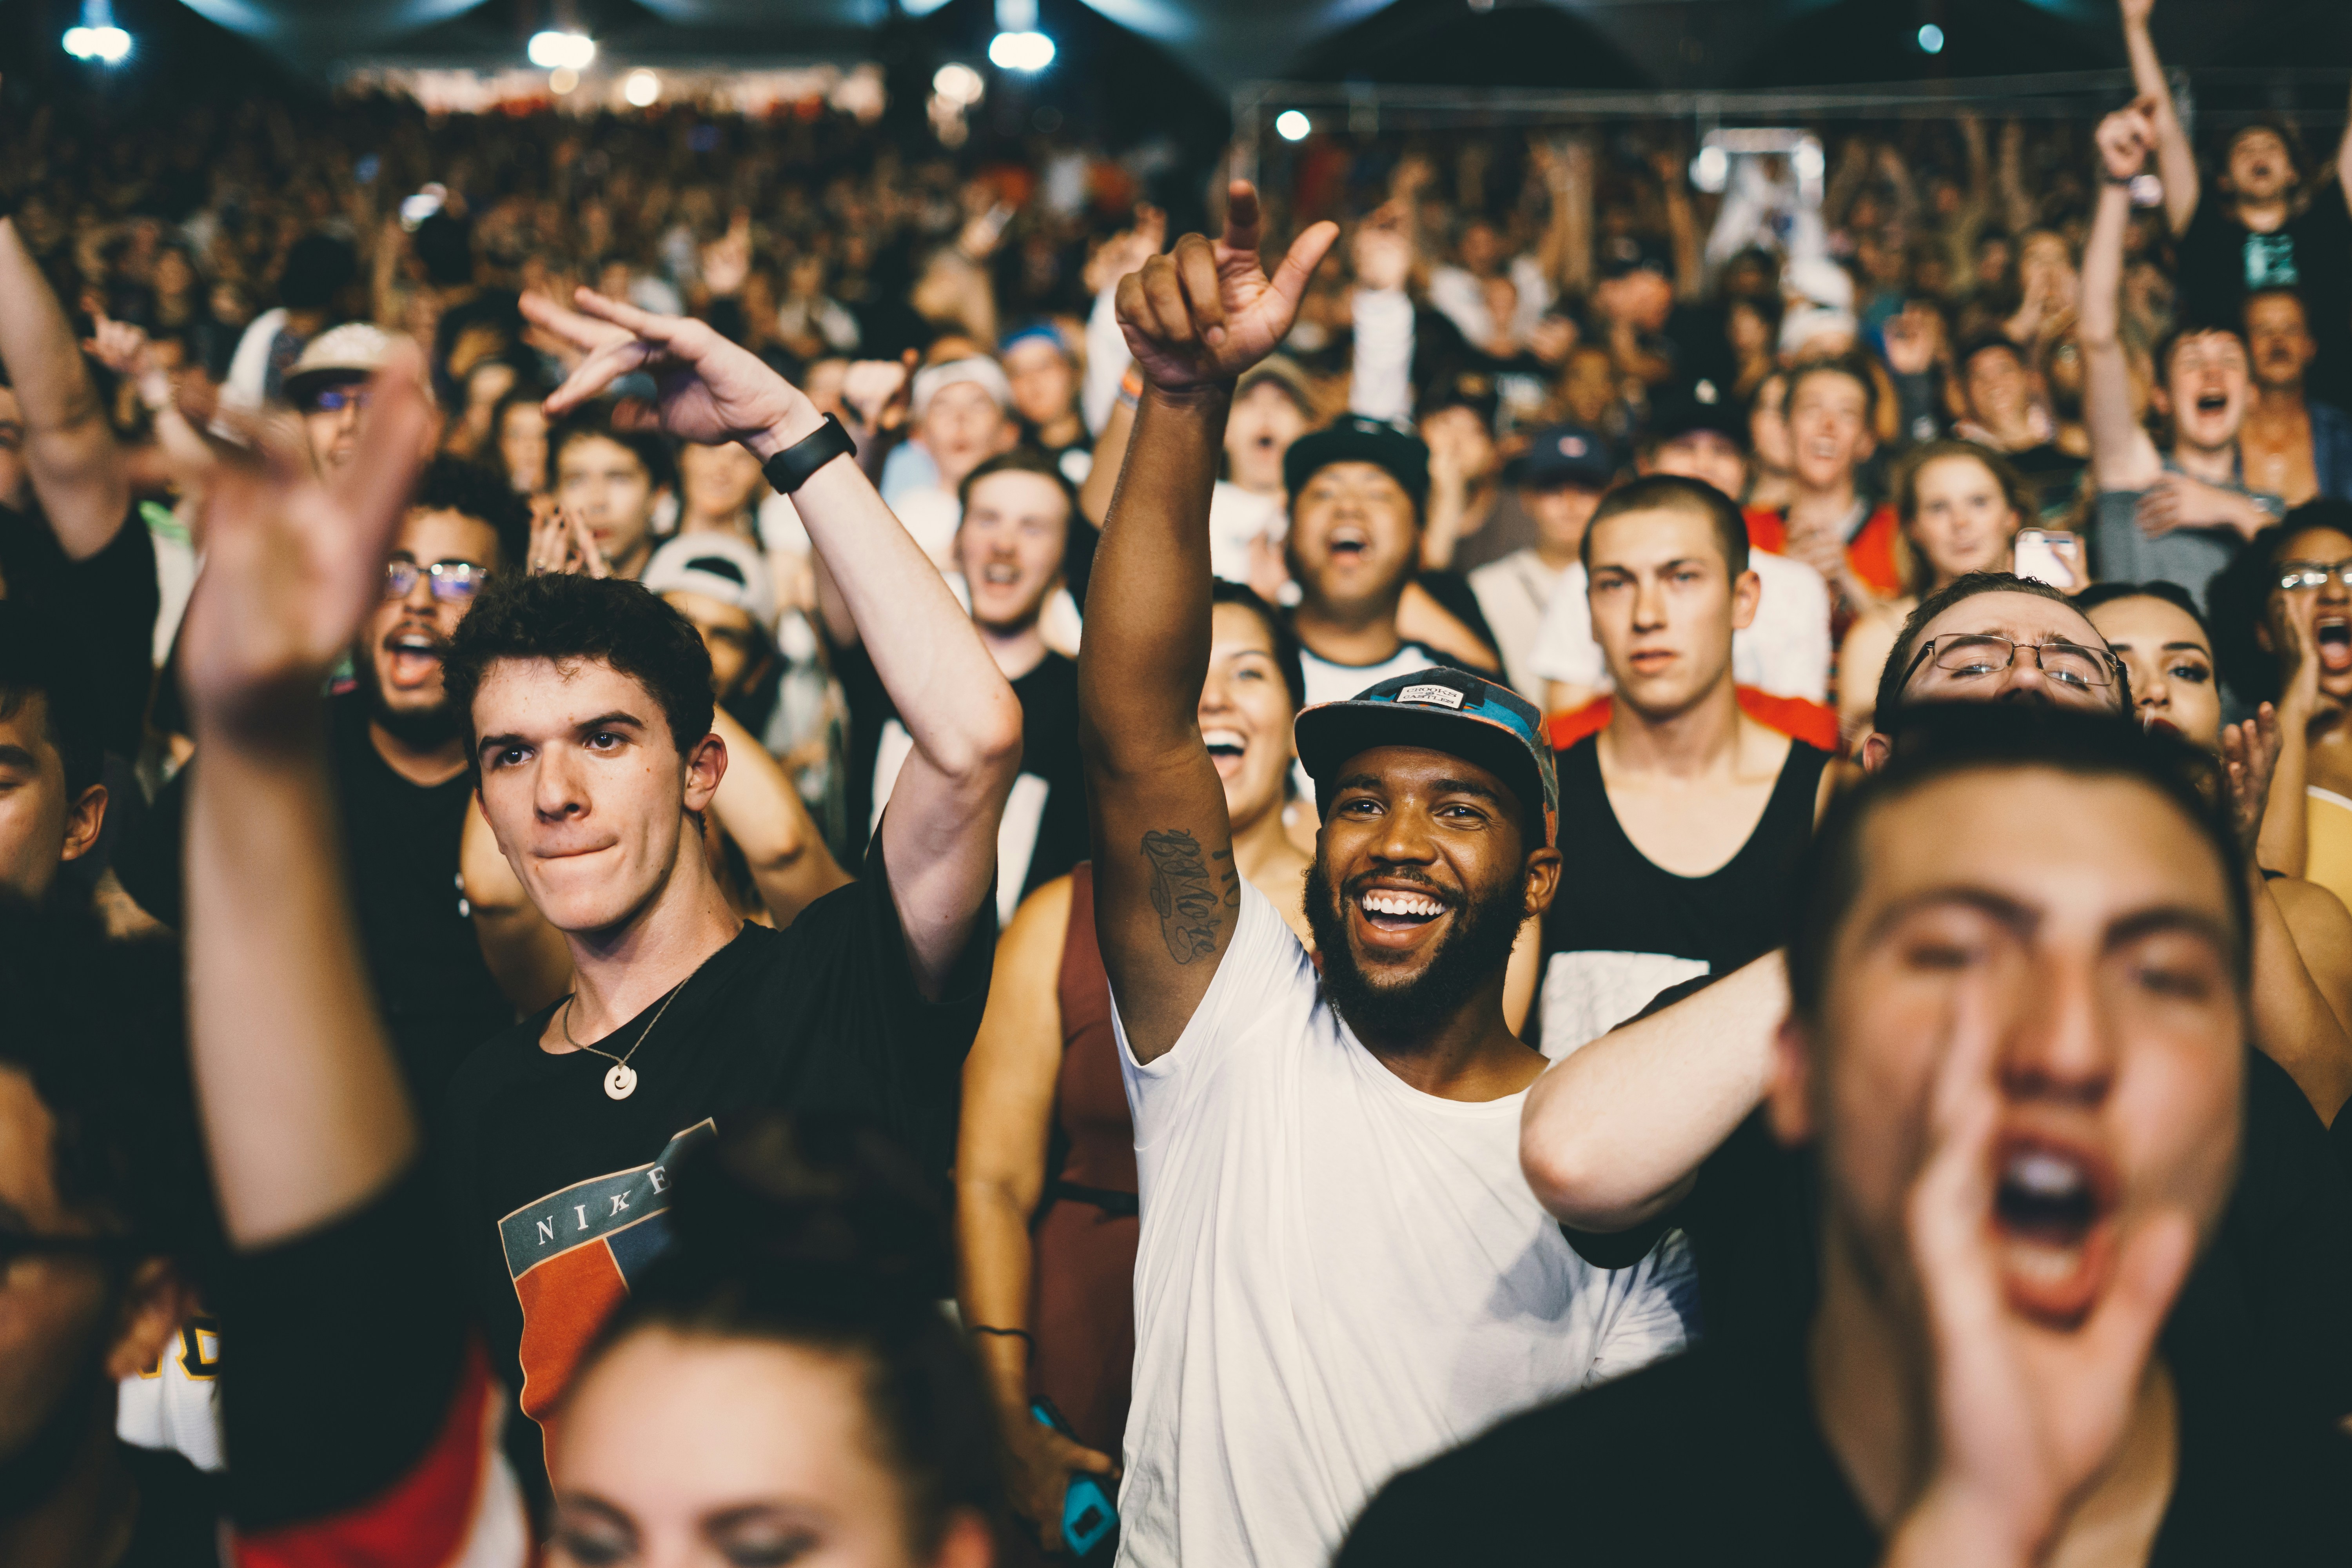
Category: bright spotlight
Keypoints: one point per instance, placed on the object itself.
(550, 50)
(106, 46)
(1021, 51)
(1711, 170)
(562, 80)
(1291, 126)
(641, 87)
(1931, 38)
(959, 83)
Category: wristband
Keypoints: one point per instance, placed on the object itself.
(1131, 388)
(789, 470)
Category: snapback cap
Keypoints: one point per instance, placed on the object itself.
(352, 351)
(1359, 438)
(717, 566)
(1443, 709)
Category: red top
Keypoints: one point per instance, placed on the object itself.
(1871, 552)
(1791, 716)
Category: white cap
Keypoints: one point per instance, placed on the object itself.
(717, 566)
(1819, 280)
(352, 351)
(985, 373)
(1803, 324)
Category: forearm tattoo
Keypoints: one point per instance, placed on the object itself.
(1185, 893)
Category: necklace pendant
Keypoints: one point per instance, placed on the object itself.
(621, 1082)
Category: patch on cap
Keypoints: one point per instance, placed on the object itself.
(1574, 446)
(1440, 696)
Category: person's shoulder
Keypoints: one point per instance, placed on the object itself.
(496, 1062)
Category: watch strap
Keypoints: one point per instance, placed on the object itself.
(790, 468)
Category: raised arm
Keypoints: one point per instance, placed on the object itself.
(2118, 454)
(761, 810)
(1166, 888)
(69, 452)
(940, 834)
(2176, 162)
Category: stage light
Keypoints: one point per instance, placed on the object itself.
(959, 83)
(1292, 125)
(1931, 38)
(97, 39)
(1021, 51)
(641, 87)
(563, 80)
(551, 50)
(1711, 170)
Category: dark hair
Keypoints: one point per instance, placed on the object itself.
(1934, 741)
(527, 391)
(40, 656)
(2277, 291)
(1672, 492)
(593, 421)
(564, 616)
(2172, 594)
(445, 245)
(2298, 159)
(1906, 494)
(1277, 631)
(2238, 600)
(97, 1027)
(317, 267)
(1898, 658)
(827, 1236)
(1020, 460)
(1853, 366)
(1985, 342)
(2171, 340)
(479, 491)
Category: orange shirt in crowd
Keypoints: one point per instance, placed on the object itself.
(1871, 552)
(1794, 717)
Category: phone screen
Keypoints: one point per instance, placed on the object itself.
(2051, 556)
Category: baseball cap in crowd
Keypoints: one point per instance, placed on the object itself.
(1281, 371)
(352, 351)
(716, 566)
(1036, 332)
(1804, 324)
(1359, 438)
(1565, 456)
(1702, 406)
(1448, 711)
(981, 371)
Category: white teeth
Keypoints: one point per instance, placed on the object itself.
(1380, 901)
(2044, 1264)
(2043, 1175)
(1231, 738)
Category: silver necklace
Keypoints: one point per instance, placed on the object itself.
(622, 1081)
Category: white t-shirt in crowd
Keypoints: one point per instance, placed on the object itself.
(1785, 650)
(1338, 1276)
(1236, 517)
(1513, 594)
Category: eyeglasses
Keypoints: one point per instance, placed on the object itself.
(2066, 663)
(453, 580)
(335, 399)
(15, 1243)
(2297, 575)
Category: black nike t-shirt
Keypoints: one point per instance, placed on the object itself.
(401, 843)
(558, 1191)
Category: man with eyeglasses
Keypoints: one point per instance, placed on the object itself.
(399, 754)
(328, 387)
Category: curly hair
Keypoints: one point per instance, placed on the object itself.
(472, 490)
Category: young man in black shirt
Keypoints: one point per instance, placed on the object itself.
(2018, 994)
(403, 787)
(1687, 814)
(588, 704)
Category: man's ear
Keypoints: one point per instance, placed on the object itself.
(1747, 593)
(84, 817)
(705, 764)
(1872, 752)
(156, 1300)
(1543, 881)
(1789, 1099)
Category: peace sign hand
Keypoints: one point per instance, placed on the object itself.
(1207, 312)
(707, 390)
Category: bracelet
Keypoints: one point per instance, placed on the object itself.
(1131, 388)
(1020, 1334)
(789, 470)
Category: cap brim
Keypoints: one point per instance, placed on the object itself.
(1330, 733)
(299, 384)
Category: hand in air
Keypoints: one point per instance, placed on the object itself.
(293, 561)
(2126, 138)
(561, 543)
(707, 390)
(119, 346)
(2028, 1413)
(2250, 753)
(1207, 312)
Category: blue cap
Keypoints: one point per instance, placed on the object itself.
(1449, 710)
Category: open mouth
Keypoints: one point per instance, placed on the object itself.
(1226, 749)
(1395, 916)
(1349, 544)
(2212, 402)
(1000, 573)
(2051, 1215)
(2334, 636)
(412, 658)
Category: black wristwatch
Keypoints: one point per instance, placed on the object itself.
(789, 470)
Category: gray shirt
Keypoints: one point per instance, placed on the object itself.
(2120, 553)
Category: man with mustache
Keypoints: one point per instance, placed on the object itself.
(1339, 1271)
(402, 786)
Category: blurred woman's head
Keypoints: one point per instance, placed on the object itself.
(2285, 593)
(2155, 629)
(783, 1386)
(1960, 505)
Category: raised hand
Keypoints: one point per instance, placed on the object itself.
(2027, 1414)
(1207, 312)
(707, 390)
(1128, 250)
(293, 563)
(727, 260)
(2125, 138)
(562, 543)
(1382, 251)
(2250, 753)
(119, 346)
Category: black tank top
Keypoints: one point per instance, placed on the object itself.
(1652, 928)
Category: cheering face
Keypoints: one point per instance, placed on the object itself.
(2261, 168)
(2320, 616)
(1245, 714)
(1355, 535)
(608, 487)
(691, 1449)
(406, 636)
(1829, 430)
(1664, 605)
(2085, 925)
(962, 427)
(1044, 384)
(1010, 547)
(2171, 665)
(584, 789)
(2206, 387)
(2000, 392)
(1260, 429)
(1962, 521)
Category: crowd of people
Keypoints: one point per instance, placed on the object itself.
(1516, 861)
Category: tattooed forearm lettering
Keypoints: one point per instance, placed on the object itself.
(1184, 893)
